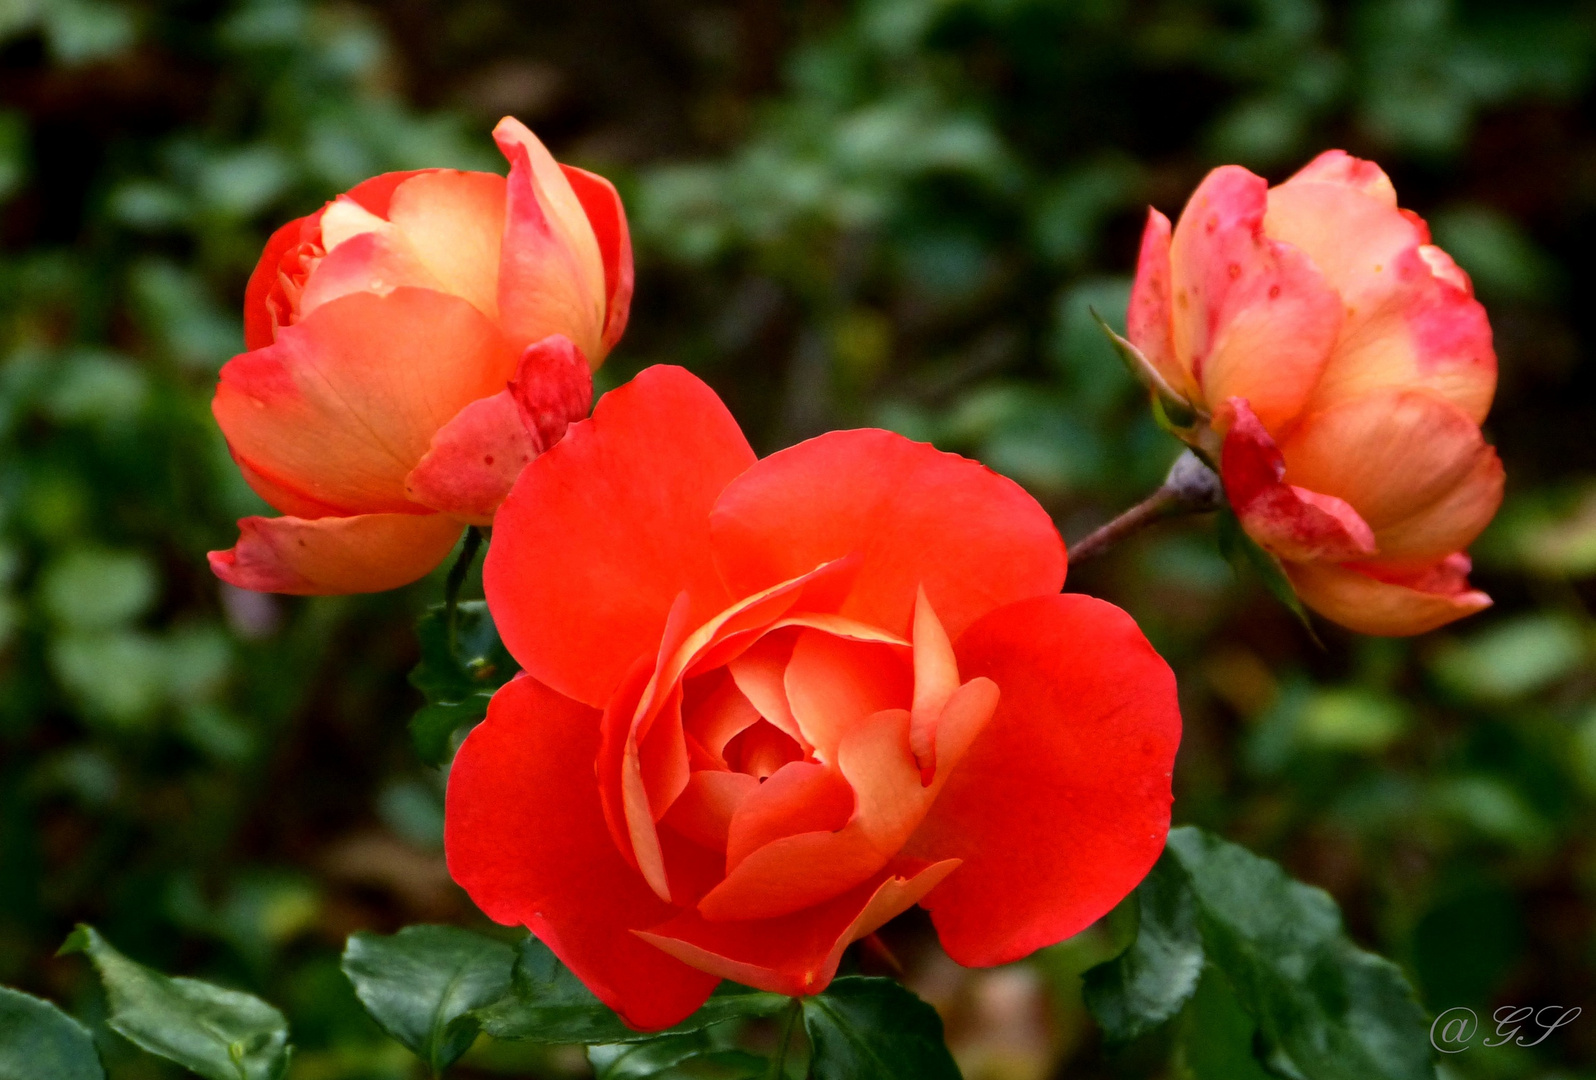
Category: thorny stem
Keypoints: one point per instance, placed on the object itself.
(778, 1060)
(457, 576)
(1190, 488)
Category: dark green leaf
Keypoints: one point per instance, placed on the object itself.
(422, 984)
(1216, 1041)
(875, 1029)
(1324, 1008)
(1153, 979)
(457, 677)
(219, 1034)
(548, 1004)
(39, 1040)
(667, 1055)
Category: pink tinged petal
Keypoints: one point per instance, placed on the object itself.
(334, 555)
(551, 274)
(1340, 167)
(760, 674)
(1414, 466)
(1292, 522)
(1253, 317)
(553, 385)
(799, 953)
(1364, 603)
(345, 402)
(283, 497)
(374, 262)
(453, 224)
(721, 717)
(474, 460)
(526, 838)
(1149, 322)
(608, 218)
(833, 684)
(1411, 319)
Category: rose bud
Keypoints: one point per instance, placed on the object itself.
(1340, 366)
(412, 345)
(767, 705)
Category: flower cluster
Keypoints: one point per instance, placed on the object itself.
(766, 705)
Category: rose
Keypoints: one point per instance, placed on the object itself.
(1347, 367)
(768, 705)
(411, 346)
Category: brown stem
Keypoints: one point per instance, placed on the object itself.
(1190, 488)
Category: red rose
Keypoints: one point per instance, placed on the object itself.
(768, 705)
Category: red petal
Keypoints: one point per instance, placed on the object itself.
(376, 194)
(330, 556)
(798, 953)
(1061, 804)
(601, 533)
(608, 218)
(916, 516)
(1292, 522)
(526, 838)
(259, 326)
(554, 387)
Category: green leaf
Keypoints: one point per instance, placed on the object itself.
(1152, 980)
(37, 1039)
(1324, 1008)
(458, 677)
(219, 1034)
(546, 1003)
(660, 1056)
(422, 984)
(875, 1029)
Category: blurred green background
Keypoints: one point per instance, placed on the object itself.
(887, 212)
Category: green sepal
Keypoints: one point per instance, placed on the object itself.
(457, 677)
(1241, 549)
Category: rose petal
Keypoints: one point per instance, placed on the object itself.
(1253, 317)
(1380, 608)
(1292, 522)
(1149, 321)
(334, 555)
(474, 460)
(608, 218)
(917, 517)
(1061, 803)
(345, 402)
(601, 533)
(799, 953)
(525, 837)
(454, 223)
(260, 328)
(1414, 466)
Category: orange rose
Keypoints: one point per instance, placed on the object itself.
(412, 345)
(1346, 366)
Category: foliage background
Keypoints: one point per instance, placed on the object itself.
(891, 212)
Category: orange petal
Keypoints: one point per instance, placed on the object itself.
(551, 273)
(345, 402)
(703, 813)
(936, 678)
(1411, 317)
(608, 218)
(1413, 466)
(454, 223)
(1253, 317)
(1340, 167)
(799, 953)
(334, 555)
(833, 684)
(474, 460)
(1149, 322)
(1385, 609)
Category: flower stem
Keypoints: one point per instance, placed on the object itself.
(457, 576)
(1190, 488)
(778, 1060)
